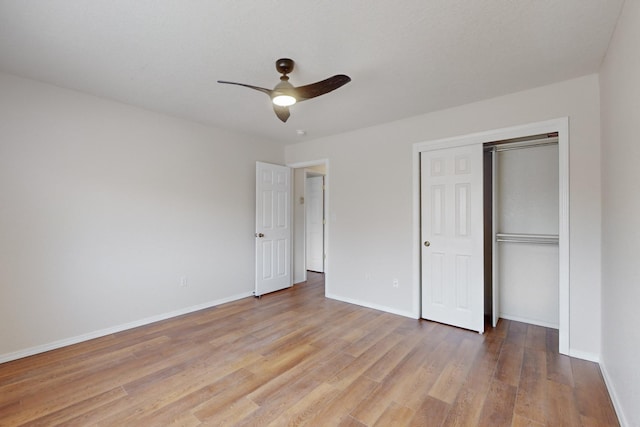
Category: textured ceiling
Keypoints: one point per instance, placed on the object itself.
(405, 58)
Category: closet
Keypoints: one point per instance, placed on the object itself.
(521, 222)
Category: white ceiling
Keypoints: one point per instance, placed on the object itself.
(405, 58)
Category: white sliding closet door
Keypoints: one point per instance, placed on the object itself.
(452, 236)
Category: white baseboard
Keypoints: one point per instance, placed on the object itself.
(614, 396)
(373, 306)
(584, 355)
(530, 321)
(119, 328)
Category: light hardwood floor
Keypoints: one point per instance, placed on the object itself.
(296, 358)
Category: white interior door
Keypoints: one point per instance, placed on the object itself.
(315, 223)
(452, 236)
(273, 228)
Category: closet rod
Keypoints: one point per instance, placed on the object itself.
(521, 144)
(542, 239)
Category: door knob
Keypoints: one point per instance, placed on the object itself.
(427, 243)
(259, 235)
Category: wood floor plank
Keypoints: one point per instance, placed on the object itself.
(89, 385)
(350, 422)
(432, 412)
(344, 402)
(536, 338)
(277, 403)
(330, 367)
(559, 368)
(175, 389)
(454, 374)
(420, 386)
(211, 409)
(379, 328)
(520, 421)
(483, 367)
(498, 405)
(65, 415)
(387, 363)
(63, 374)
(532, 389)
(370, 409)
(395, 415)
(186, 419)
(425, 376)
(311, 361)
(164, 411)
(591, 396)
(501, 329)
(561, 407)
(466, 410)
(232, 414)
(361, 363)
(447, 386)
(307, 407)
(184, 365)
(516, 330)
(510, 363)
(399, 385)
(294, 357)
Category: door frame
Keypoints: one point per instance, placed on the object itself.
(327, 201)
(560, 125)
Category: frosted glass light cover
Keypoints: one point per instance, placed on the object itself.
(284, 100)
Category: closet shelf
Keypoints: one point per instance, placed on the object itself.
(541, 239)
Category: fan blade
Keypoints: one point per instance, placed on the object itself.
(261, 89)
(321, 87)
(281, 112)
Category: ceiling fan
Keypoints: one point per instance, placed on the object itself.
(284, 94)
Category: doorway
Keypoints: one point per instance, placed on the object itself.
(561, 126)
(302, 200)
(314, 221)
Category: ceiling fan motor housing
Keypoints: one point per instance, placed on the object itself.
(284, 65)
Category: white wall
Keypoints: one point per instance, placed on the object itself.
(105, 207)
(371, 198)
(620, 87)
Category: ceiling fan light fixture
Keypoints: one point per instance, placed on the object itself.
(283, 94)
(283, 100)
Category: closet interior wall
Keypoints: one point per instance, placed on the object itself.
(521, 222)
